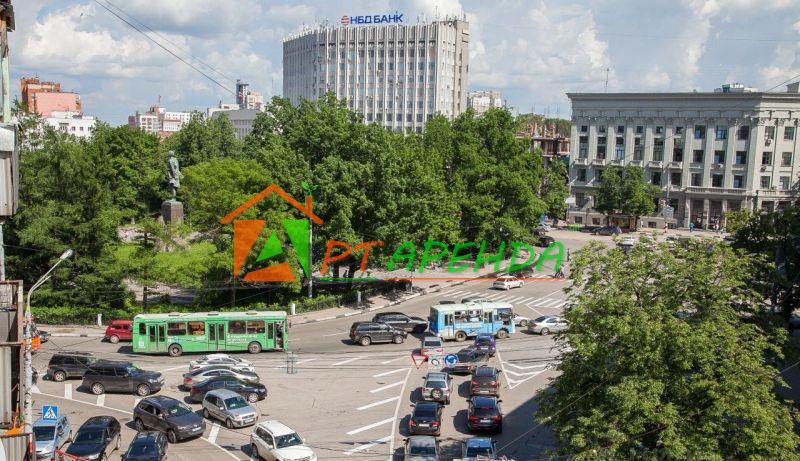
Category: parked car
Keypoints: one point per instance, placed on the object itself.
(468, 359)
(147, 446)
(121, 377)
(422, 448)
(626, 242)
(485, 381)
(542, 239)
(366, 333)
(251, 391)
(484, 413)
(474, 448)
(168, 415)
(201, 374)
(426, 418)
(485, 344)
(51, 435)
(65, 365)
(98, 437)
(431, 345)
(607, 230)
(437, 387)
(547, 324)
(210, 360)
(119, 330)
(521, 320)
(507, 282)
(402, 321)
(273, 440)
(230, 407)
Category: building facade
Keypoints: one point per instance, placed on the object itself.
(396, 75)
(241, 119)
(159, 121)
(45, 97)
(481, 101)
(709, 153)
(74, 123)
(247, 98)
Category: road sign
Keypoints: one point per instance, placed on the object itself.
(451, 359)
(418, 359)
(50, 412)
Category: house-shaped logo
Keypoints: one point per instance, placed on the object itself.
(246, 232)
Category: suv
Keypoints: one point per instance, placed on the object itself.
(422, 448)
(275, 440)
(437, 387)
(147, 446)
(402, 321)
(226, 405)
(542, 239)
(168, 415)
(96, 438)
(119, 330)
(476, 448)
(366, 333)
(485, 381)
(121, 377)
(69, 365)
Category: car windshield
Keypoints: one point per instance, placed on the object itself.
(178, 410)
(425, 411)
(288, 440)
(235, 402)
(44, 433)
(422, 450)
(85, 437)
(541, 319)
(484, 372)
(142, 449)
(432, 343)
(478, 451)
(485, 411)
(133, 369)
(437, 384)
(483, 341)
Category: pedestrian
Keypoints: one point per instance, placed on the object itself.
(691, 227)
(567, 254)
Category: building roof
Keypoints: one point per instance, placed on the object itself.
(688, 95)
(210, 315)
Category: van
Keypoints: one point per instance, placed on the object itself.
(119, 330)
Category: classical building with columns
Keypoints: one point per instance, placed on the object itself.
(709, 152)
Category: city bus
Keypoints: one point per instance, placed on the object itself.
(176, 333)
(471, 318)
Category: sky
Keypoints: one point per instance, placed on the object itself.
(533, 52)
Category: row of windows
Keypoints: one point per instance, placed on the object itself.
(397, 117)
(677, 155)
(199, 328)
(717, 179)
(720, 132)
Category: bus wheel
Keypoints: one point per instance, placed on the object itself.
(254, 347)
(502, 334)
(175, 350)
(461, 336)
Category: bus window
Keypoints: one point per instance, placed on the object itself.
(448, 319)
(487, 317)
(142, 329)
(271, 331)
(255, 327)
(236, 327)
(197, 328)
(176, 328)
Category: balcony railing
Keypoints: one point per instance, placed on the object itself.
(715, 190)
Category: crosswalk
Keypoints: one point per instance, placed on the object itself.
(531, 302)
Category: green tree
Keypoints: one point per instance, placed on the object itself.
(638, 196)
(665, 359)
(555, 189)
(608, 198)
(200, 140)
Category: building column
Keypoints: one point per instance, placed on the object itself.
(706, 212)
(723, 219)
(687, 213)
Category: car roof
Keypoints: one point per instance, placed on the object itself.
(432, 338)
(71, 353)
(484, 336)
(98, 421)
(422, 440)
(121, 322)
(484, 401)
(276, 428)
(479, 442)
(144, 436)
(160, 400)
(223, 393)
(423, 404)
(41, 422)
(436, 375)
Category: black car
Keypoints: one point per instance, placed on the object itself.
(168, 415)
(121, 377)
(426, 419)
(607, 230)
(250, 390)
(366, 333)
(65, 365)
(542, 239)
(147, 446)
(96, 438)
(402, 321)
(468, 359)
(484, 414)
(485, 381)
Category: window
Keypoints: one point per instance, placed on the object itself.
(785, 182)
(678, 130)
(255, 326)
(659, 130)
(741, 157)
(197, 328)
(698, 156)
(769, 132)
(582, 174)
(620, 129)
(766, 158)
(236, 327)
(765, 182)
(721, 132)
(601, 129)
(677, 154)
(699, 132)
(738, 181)
(620, 151)
(743, 133)
(719, 156)
(176, 328)
(655, 178)
(584, 129)
(788, 133)
(716, 180)
(675, 178)
(639, 129)
(583, 151)
(786, 159)
(601, 140)
(697, 179)
(142, 329)
(598, 175)
(658, 150)
(601, 152)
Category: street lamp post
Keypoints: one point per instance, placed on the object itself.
(28, 359)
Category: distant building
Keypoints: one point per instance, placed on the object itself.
(73, 123)
(481, 101)
(247, 98)
(159, 121)
(553, 144)
(45, 97)
(241, 119)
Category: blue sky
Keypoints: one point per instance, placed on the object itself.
(532, 51)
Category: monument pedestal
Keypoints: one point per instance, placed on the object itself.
(172, 212)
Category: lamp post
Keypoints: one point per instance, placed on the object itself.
(28, 360)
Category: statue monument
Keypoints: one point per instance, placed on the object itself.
(172, 209)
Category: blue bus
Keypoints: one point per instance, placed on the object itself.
(471, 318)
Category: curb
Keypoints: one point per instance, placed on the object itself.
(77, 335)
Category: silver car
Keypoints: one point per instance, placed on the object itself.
(422, 448)
(547, 324)
(51, 435)
(230, 407)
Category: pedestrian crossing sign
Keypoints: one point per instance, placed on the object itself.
(50, 412)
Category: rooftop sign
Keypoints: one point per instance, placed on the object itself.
(373, 19)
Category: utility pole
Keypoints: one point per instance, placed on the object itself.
(607, 69)
(310, 259)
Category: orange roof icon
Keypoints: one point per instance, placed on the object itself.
(306, 210)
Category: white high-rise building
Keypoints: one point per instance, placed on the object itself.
(481, 101)
(397, 75)
(73, 123)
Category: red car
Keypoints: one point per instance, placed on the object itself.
(119, 330)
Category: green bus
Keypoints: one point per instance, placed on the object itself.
(176, 333)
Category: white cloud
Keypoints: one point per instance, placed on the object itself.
(200, 18)
(432, 8)
(292, 14)
(656, 78)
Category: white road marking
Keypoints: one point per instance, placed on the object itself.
(533, 309)
(373, 425)
(515, 300)
(393, 360)
(512, 383)
(493, 296)
(387, 373)
(447, 293)
(35, 389)
(526, 367)
(212, 436)
(522, 375)
(304, 361)
(68, 391)
(553, 303)
(101, 400)
(172, 368)
(334, 334)
(388, 386)
(136, 402)
(503, 298)
(348, 361)
(368, 445)
(375, 404)
(396, 414)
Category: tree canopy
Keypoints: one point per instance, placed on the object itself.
(625, 191)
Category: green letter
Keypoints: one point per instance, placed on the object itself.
(480, 261)
(559, 258)
(455, 257)
(399, 256)
(427, 257)
(516, 246)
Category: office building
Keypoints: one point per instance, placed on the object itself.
(159, 121)
(73, 123)
(708, 152)
(45, 97)
(247, 98)
(481, 101)
(241, 119)
(396, 75)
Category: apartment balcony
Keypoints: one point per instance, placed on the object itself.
(655, 164)
(715, 190)
(675, 165)
(580, 161)
(616, 162)
(636, 162)
(599, 161)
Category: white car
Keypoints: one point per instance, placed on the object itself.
(627, 241)
(521, 321)
(210, 360)
(507, 283)
(273, 440)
